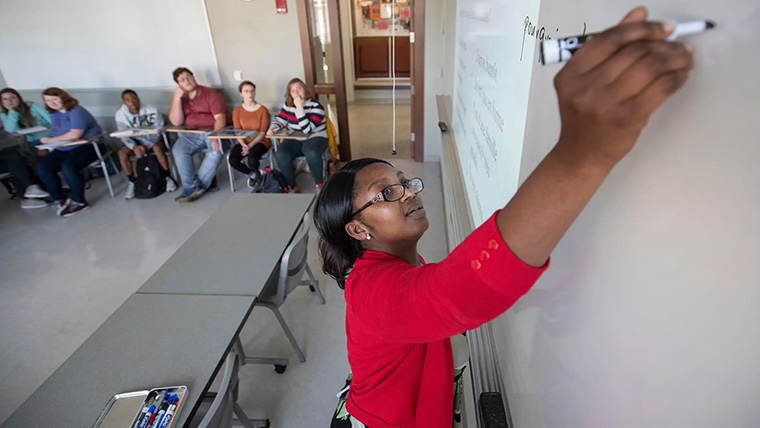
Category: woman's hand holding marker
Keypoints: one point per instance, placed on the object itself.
(615, 81)
(607, 91)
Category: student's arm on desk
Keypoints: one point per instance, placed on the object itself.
(263, 128)
(220, 120)
(73, 134)
(176, 114)
(238, 124)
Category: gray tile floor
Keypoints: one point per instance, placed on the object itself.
(61, 278)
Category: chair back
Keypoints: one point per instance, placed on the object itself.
(219, 414)
(292, 263)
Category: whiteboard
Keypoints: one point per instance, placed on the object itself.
(104, 43)
(649, 314)
(491, 85)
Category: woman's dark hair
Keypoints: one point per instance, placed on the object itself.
(69, 102)
(128, 91)
(333, 211)
(245, 82)
(27, 120)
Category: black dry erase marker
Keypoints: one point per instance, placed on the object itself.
(561, 50)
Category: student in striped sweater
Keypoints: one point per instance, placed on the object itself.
(304, 113)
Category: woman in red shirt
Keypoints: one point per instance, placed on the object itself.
(401, 312)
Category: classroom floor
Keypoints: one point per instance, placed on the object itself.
(61, 278)
(371, 130)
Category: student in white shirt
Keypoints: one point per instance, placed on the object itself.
(132, 115)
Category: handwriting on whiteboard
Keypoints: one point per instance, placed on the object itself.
(540, 34)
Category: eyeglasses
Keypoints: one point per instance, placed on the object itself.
(394, 192)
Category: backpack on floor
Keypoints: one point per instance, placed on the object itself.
(271, 181)
(149, 181)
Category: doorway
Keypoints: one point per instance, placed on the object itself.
(377, 41)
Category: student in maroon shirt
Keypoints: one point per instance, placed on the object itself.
(196, 106)
(401, 312)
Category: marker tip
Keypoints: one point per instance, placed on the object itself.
(710, 24)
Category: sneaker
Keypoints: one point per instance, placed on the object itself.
(35, 191)
(189, 195)
(130, 190)
(170, 184)
(319, 188)
(33, 203)
(75, 208)
(253, 179)
(60, 206)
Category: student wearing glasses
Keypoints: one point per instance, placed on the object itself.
(402, 312)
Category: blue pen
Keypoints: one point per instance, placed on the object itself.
(146, 418)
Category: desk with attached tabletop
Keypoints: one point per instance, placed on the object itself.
(236, 250)
(150, 341)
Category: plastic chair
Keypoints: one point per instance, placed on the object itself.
(223, 404)
(101, 161)
(170, 156)
(287, 278)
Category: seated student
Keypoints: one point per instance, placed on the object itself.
(304, 113)
(131, 115)
(69, 121)
(250, 116)
(197, 107)
(16, 115)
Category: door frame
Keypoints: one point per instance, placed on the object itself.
(418, 81)
(338, 88)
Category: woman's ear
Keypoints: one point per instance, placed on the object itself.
(357, 230)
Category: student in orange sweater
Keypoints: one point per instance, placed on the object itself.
(401, 312)
(250, 116)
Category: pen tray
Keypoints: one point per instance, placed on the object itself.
(123, 409)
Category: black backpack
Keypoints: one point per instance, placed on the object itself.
(150, 181)
(271, 181)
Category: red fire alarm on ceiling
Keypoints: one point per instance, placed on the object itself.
(282, 6)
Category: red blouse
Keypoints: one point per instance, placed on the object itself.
(399, 319)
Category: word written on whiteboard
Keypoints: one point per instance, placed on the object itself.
(540, 34)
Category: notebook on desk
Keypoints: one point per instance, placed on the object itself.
(32, 130)
(53, 146)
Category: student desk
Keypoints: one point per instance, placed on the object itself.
(182, 128)
(150, 341)
(138, 132)
(236, 250)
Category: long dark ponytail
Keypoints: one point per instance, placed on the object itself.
(332, 213)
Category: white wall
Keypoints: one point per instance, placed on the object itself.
(104, 43)
(434, 63)
(253, 38)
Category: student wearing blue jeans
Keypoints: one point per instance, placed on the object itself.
(187, 145)
(196, 106)
(303, 113)
(69, 121)
(312, 149)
